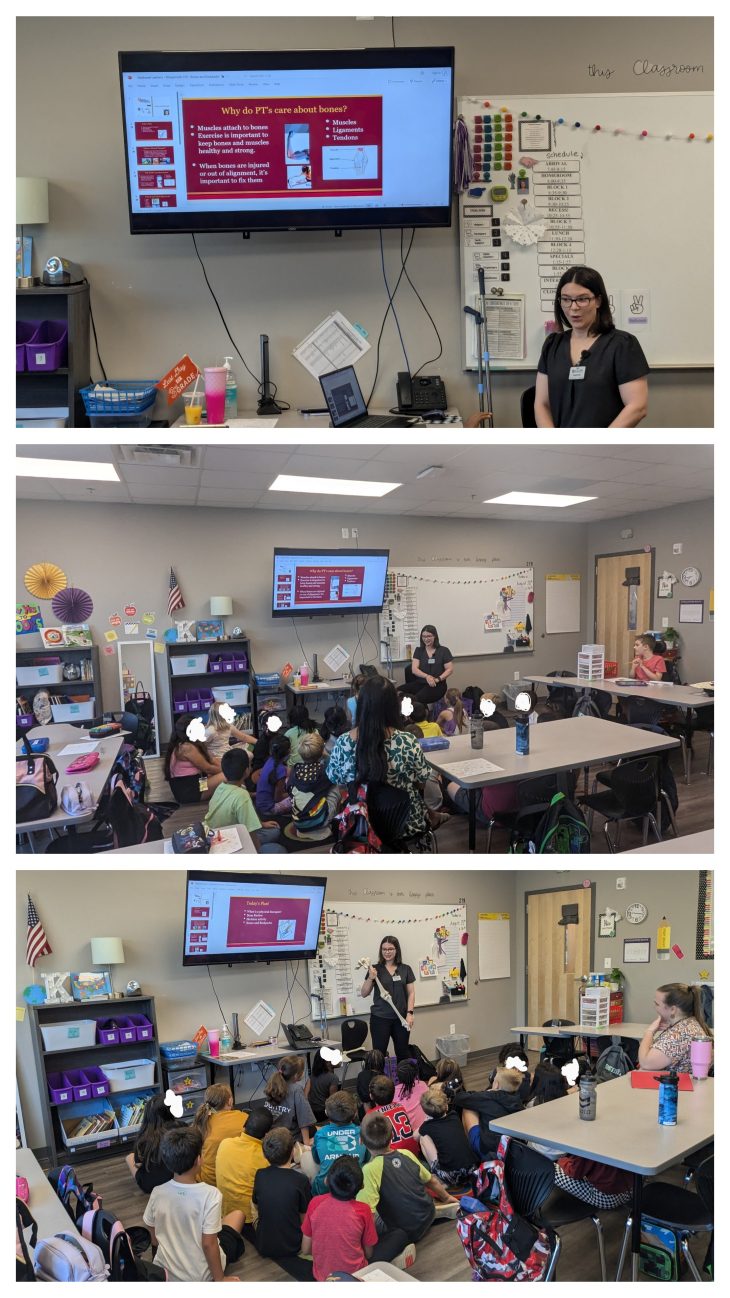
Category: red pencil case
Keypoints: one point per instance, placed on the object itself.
(647, 1081)
(86, 762)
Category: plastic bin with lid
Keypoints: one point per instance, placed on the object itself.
(74, 711)
(129, 1075)
(236, 695)
(189, 664)
(41, 674)
(74, 1035)
(454, 1047)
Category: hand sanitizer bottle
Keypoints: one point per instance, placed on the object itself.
(231, 390)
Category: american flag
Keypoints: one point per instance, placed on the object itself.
(175, 599)
(37, 943)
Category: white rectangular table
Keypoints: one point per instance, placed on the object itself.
(633, 1030)
(704, 841)
(625, 1133)
(339, 686)
(560, 746)
(44, 1204)
(267, 1054)
(675, 696)
(95, 779)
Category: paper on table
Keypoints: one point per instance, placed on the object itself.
(333, 344)
(70, 749)
(226, 840)
(377, 1275)
(478, 766)
(259, 1017)
(336, 658)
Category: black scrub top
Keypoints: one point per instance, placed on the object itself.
(593, 401)
(434, 663)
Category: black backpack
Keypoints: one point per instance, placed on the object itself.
(613, 1062)
(36, 778)
(426, 1069)
(561, 829)
(24, 1219)
(121, 1248)
(132, 823)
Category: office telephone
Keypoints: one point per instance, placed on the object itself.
(420, 394)
(298, 1034)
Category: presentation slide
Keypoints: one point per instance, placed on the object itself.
(322, 583)
(238, 916)
(326, 137)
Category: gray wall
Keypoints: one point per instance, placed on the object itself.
(148, 295)
(123, 552)
(691, 524)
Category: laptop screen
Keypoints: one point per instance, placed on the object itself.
(345, 401)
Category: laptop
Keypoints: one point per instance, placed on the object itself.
(346, 403)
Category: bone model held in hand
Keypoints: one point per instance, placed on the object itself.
(365, 964)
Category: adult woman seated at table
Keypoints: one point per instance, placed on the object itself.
(431, 667)
(590, 374)
(680, 1021)
(190, 770)
(378, 752)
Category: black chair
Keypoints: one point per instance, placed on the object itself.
(596, 704)
(682, 1211)
(353, 1032)
(529, 1179)
(527, 409)
(533, 800)
(560, 697)
(389, 809)
(639, 711)
(563, 1209)
(560, 1050)
(633, 794)
(701, 721)
(669, 801)
(696, 1159)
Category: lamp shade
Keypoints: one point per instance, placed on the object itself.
(107, 950)
(31, 201)
(221, 605)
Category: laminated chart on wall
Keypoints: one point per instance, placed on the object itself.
(477, 611)
(494, 945)
(432, 940)
(562, 180)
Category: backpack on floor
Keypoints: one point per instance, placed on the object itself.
(613, 1062)
(36, 777)
(121, 1248)
(660, 1256)
(561, 829)
(24, 1220)
(68, 1258)
(499, 1244)
(75, 1197)
(132, 822)
(351, 826)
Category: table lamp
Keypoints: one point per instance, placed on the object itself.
(108, 951)
(221, 606)
(31, 208)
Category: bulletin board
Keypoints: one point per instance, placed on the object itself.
(476, 610)
(634, 199)
(431, 942)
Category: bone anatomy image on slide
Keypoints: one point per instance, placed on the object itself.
(339, 163)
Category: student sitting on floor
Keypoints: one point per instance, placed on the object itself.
(285, 1098)
(382, 1093)
(238, 1160)
(447, 1076)
(478, 1108)
(314, 799)
(146, 1163)
(398, 1188)
(193, 1239)
(408, 1091)
(452, 719)
(271, 796)
(191, 771)
(231, 804)
(548, 1084)
(300, 724)
(429, 729)
(219, 733)
(511, 1051)
(263, 743)
(216, 1120)
(336, 722)
(372, 1066)
(444, 1143)
(356, 685)
(341, 1135)
(338, 1231)
(281, 1195)
(322, 1083)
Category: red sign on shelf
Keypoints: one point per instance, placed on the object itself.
(178, 379)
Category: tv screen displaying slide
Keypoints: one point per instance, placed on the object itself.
(235, 918)
(298, 139)
(339, 582)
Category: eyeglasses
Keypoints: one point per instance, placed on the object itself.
(567, 302)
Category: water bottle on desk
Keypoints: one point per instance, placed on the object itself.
(668, 1096)
(587, 1098)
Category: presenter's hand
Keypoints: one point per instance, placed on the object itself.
(372, 972)
(431, 680)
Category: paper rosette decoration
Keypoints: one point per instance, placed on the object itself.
(44, 580)
(72, 605)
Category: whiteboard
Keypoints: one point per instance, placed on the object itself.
(475, 610)
(494, 946)
(562, 603)
(637, 209)
(353, 930)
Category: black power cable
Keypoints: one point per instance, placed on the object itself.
(385, 317)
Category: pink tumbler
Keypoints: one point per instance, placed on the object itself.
(215, 393)
(700, 1053)
(214, 1046)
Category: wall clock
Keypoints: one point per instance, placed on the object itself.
(691, 576)
(636, 913)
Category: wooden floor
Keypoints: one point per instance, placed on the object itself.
(439, 1257)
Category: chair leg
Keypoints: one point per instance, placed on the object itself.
(601, 1251)
(607, 836)
(710, 754)
(652, 821)
(553, 1263)
(685, 758)
(645, 831)
(624, 1249)
(684, 1245)
(670, 812)
(490, 827)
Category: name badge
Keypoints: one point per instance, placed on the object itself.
(577, 372)
(396, 978)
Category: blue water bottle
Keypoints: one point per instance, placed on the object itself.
(522, 738)
(668, 1094)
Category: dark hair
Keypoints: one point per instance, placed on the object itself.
(414, 730)
(374, 1061)
(381, 1089)
(448, 1072)
(156, 1120)
(179, 1149)
(394, 942)
(548, 1084)
(511, 1051)
(434, 633)
(588, 278)
(279, 750)
(179, 737)
(345, 1179)
(277, 1145)
(341, 1107)
(647, 640)
(378, 710)
(289, 1069)
(407, 1074)
(234, 764)
(299, 717)
(419, 713)
(686, 998)
(336, 722)
(376, 1131)
(258, 1122)
(321, 1065)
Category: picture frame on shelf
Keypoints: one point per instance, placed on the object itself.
(210, 628)
(96, 985)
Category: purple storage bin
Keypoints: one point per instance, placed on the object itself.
(127, 1030)
(143, 1027)
(24, 720)
(206, 698)
(180, 704)
(60, 1088)
(228, 662)
(24, 332)
(194, 704)
(80, 1083)
(215, 665)
(240, 663)
(48, 349)
(98, 1081)
(105, 1035)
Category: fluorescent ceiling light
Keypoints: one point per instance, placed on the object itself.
(432, 468)
(331, 486)
(78, 469)
(537, 498)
